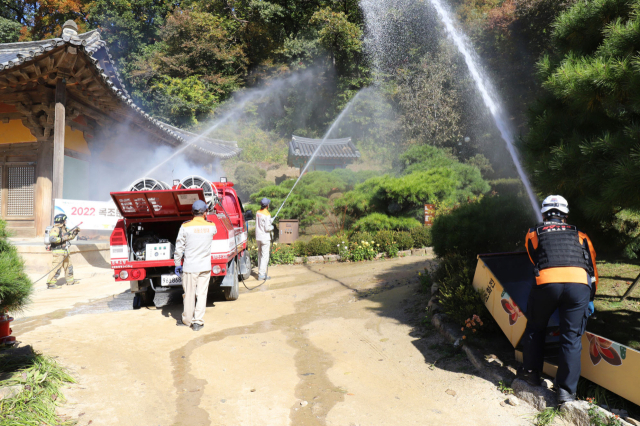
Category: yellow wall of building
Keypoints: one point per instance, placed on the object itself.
(16, 132)
(74, 140)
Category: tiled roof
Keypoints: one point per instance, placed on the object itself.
(15, 54)
(331, 148)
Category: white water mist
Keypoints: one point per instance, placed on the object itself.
(237, 109)
(378, 13)
(324, 139)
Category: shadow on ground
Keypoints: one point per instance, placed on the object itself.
(436, 350)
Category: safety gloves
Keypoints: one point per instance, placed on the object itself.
(591, 309)
(179, 271)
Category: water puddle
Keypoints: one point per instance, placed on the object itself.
(312, 363)
(116, 303)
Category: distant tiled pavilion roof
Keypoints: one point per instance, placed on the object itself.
(331, 148)
(24, 65)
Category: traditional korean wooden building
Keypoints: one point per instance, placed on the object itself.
(333, 154)
(62, 104)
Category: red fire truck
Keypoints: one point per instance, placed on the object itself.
(142, 242)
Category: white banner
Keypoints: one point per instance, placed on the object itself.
(95, 215)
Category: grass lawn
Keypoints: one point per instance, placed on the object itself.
(36, 381)
(616, 320)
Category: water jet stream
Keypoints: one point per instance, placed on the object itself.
(197, 138)
(490, 101)
(376, 11)
(324, 139)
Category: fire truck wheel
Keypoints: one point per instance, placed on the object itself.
(137, 301)
(147, 297)
(247, 262)
(232, 293)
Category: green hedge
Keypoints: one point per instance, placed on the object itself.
(421, 236)
(348, 247)
(379, 221)
(493, 224)
(458, 299)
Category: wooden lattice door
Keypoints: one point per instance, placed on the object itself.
(17, 198)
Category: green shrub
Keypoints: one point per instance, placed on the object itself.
(360, 236)
(404, 196)
(509, 186)
(281, 254)
(421, 236)
(15, 285)
(458, 299)
(344, 251)
(403, 240)
(385, 242)
(493, 224)
(320, 246)
(252, 249)
(381, 222)
(300, 248)
(426, 281)
(362, 251)
(334, 241)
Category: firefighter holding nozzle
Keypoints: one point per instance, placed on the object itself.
(264, 226)
(194, 244)
(566, 279)
(59, 238)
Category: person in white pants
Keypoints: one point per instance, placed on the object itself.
(194, 244)
(264, 226)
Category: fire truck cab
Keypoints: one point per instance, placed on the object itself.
(143, 241)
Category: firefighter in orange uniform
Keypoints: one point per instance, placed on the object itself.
(566, 279)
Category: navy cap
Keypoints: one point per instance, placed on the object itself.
(199, 207)
(265, 201)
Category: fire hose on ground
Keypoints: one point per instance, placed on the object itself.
(55, 267)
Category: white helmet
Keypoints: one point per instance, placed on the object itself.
(555, 202)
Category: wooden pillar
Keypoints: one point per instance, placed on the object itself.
(44, 187)
(58, 139)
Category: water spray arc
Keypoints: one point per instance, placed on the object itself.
(484, 87)
(196, 139)
(324, 139)
(236, 112)
(376, 11)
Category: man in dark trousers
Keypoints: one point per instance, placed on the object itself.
(566, 279)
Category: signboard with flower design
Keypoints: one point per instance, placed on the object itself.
(605, 362)
(500, 304)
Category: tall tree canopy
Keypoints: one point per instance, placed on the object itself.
(584, 140)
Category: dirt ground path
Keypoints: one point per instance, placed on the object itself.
(330, 344)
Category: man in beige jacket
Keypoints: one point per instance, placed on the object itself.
(194, 244)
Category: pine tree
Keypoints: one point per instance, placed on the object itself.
(15, 285)
(584, 139)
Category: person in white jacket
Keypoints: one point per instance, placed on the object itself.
(264, 226)
(194, 244)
